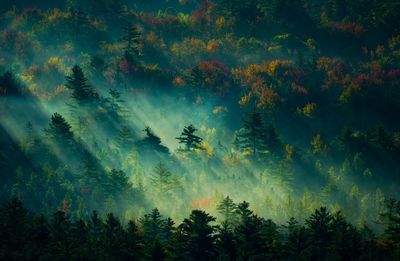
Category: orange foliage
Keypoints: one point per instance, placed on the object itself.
(203, 203)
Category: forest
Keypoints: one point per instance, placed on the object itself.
(200, 130)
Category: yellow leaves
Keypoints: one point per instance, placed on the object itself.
(308, 110)
(245, 99)
(57, 14)
(289, 152)
(263, 81)
(189, 47)
(317, 145)
(220, 22)
(55, 64)
(213, 45)
(219, 109)
(268, 97)
(206, 150)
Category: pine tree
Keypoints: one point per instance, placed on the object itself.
(272, 141)
(249, 240)
(151, 143)
(82, 91)
(132, 40)
(320, 228)
(113, 104)
(198, 236)
(225, 242)
(228, 209)
(9, 85)
(156, 233)
(163, 180)
(59, 129)
(297, 241)
(125, 138)
(391, 218)
(189, 139)
(252, 138)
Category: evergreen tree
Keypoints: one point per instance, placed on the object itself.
(151, 143)
(157, 232)
(114, 239)
(249, 239)
(163, 180)
(252, 137)
(198, 236)
(82, 91)
(125, 138)
(320, 228)
(9, 85)
(61, 244)
(228, 210)
(59, 129)
(297, 242)
(189, 139)
(391, 218)
(132, 40)
(226, 242)
(272, 141)
(113, 104)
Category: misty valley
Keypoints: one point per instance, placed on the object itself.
(199, 130)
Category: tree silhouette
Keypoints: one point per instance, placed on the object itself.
(59, 129)
(252, 138)
(132, 39)
(163, 180)
(9, 86)
(82, 91)
(189, 139)
(151, 143)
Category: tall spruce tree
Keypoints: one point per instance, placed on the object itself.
(82, 91)
(59, 129)
(132, 40)
(252, 138)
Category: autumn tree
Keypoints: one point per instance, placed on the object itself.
(189, 139)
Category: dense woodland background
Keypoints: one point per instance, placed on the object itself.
(191, 107)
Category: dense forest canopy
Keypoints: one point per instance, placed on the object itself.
(115, 115)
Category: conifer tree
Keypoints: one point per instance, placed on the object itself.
(252, 137)
(198, 236)
(163, 180)
(82, 91)
(59, 129)
(228, 209)
(189, 139)
(152, 143)
(132, 40)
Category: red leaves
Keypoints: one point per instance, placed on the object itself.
(352, 28)
(213, 66)
(124, 66)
